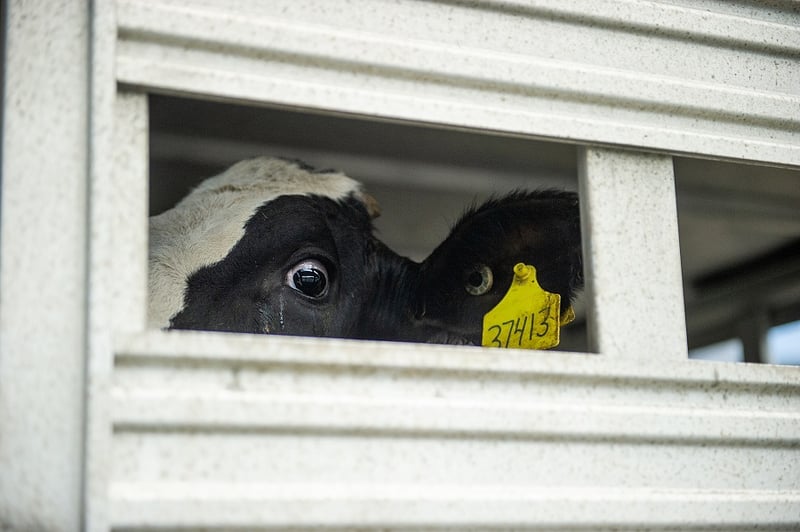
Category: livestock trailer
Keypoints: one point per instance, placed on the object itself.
(650, 109)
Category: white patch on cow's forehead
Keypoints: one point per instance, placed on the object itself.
(204, 226)
(270, 178)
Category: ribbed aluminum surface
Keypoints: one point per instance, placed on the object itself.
(713, 79)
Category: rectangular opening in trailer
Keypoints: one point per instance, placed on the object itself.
(737, 222)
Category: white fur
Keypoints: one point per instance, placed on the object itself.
(204, 226)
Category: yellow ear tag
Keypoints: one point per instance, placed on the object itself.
(526, 318)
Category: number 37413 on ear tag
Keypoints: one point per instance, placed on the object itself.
(526, 318)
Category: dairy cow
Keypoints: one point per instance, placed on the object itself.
(275, 247)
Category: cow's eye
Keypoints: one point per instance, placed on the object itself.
(309, 277)
(479, 280)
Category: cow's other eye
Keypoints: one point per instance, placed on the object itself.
(309, 277)
(479, 280)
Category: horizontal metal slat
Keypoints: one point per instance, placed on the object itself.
(491, 71)
(680, 22)
(220, 430)
(206, 50)
(178, 347)
(253, 411)
(531, 507)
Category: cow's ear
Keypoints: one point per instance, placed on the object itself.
(541, 229)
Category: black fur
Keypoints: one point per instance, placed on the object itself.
(540, 228)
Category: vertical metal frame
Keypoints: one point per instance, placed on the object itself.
(635, 298)
(117, 275)
(119, 278)
(43, 265)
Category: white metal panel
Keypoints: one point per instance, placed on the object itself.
(118, 276)
(644, 74)
(631, 251)
(219, 431)
(104, 275)
(129, 207)
(214, 430)
(43, 265)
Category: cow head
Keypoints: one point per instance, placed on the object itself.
(273, 247)
(471, 271)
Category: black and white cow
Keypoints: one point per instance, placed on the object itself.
(272, 246)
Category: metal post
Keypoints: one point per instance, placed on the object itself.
(631, 254)
(43, 266)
